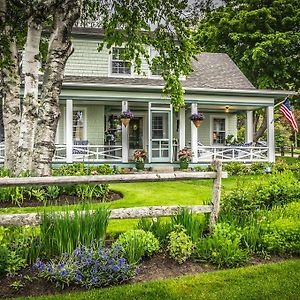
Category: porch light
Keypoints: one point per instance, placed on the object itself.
(227, 108)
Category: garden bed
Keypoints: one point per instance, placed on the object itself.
(159, 266)
(62, 200)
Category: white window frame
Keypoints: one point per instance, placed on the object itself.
(111, 74)
(217, 116)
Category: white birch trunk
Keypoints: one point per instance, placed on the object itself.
(30, 101)
(11, 108)
(60, 48)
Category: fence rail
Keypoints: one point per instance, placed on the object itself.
(122, 213)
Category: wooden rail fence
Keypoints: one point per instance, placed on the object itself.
(121, 213)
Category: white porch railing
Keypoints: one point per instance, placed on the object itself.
(92, 153)
(232, 153)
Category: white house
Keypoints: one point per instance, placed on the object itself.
(98, 86)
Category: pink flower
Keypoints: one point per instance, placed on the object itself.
(94, 172)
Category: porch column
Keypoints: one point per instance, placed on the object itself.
(249, 127)
(270, 133)
(194, 135)
(69, 130)
(125, 147)
(181, 128)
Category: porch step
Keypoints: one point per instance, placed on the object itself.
(163, 169)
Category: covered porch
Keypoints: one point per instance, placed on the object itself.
(90, 132)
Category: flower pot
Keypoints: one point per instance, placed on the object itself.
(197, 123)
(140, 165)
(184, 164)
(125, 121)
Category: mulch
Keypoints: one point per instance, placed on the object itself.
(157, 267)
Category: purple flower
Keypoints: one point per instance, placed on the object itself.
(126, 115)
(197, 116)
(118, 247)
(94, 279)
(60, 266)
(50, 268)
(63, 273)
(138, 270)
(115, 268)
(94, 271)
(78, 277)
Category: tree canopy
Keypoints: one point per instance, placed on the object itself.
(261, 36)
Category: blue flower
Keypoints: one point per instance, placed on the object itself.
(118, 247)
(94, 279)
(60, 266)
(138, 270)
(94, 270)
(42, 266)
(88, 261)
(78, 277)
(120, 262)
(63, 273)
(50, 268)
(115, 268)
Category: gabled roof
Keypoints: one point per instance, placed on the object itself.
(211, 70)
(217, 71)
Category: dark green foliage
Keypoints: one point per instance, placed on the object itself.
(262, 37)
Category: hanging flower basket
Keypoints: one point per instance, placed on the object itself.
(197, 123)
(125, 121)
(197, 119)
(125, 117)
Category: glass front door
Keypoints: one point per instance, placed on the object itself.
(160, 136)
(136, 133)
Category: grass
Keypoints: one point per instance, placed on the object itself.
(288, 159)
(271, 281)
(192, 192)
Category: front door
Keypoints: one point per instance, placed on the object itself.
(160, 140)
(136, 134)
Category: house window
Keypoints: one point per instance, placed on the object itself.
(156, 70)
(78, 125)
(118, 64)
(219, 133)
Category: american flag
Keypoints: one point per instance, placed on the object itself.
(286, 110)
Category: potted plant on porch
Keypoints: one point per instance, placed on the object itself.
(125, 117)
(197, 118)
(185, 156)
(139, 158)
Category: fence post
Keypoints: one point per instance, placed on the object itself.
(292, 151)
(216, 195)
(282, 151)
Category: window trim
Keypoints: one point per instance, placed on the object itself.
(110, 73)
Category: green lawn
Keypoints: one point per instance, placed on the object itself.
(195, 192)
(273, 281)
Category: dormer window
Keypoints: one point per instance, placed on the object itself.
(118, 64)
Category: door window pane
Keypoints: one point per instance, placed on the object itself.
(219, 132)
(78, 125)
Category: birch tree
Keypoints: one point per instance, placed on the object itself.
(33, 133)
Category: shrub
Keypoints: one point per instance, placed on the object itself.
(236, 168)
(136, 244)
(222, 248)
(180, 246)
(92, 266)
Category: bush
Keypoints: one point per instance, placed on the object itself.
(276, 189)
(136, 244)
(92, 266)
(222, 248)
(180, 246)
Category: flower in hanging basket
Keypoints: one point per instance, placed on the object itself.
(185, 155)
(198, 116)
(127, 114)
(139, 155)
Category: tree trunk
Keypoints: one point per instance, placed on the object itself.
(258, 132)
(11, 108)
(30, 101)
(60, 48)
